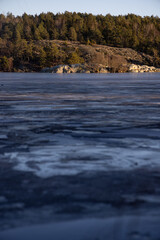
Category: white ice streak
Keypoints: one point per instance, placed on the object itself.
(73, 157)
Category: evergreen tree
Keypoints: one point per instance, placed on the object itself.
(72, 34)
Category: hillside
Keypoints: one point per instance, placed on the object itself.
(97, 56)
(36, 55)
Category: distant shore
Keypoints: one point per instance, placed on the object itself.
(100, 44)
(59, 56)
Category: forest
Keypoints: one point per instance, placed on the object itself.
(23, 38)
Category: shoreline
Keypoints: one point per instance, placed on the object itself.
(81, 68)
(61, 74)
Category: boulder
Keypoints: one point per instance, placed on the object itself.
(73, 68)
(58, 69)
(103, 70)
(144, 68)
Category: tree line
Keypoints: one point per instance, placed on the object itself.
(18, 36)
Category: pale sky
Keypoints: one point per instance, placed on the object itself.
(114, 7)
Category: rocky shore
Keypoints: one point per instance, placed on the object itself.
(76, 68)
(83, 68)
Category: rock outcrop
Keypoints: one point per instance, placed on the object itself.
(141, 69)
(84, 68)
(76, 68)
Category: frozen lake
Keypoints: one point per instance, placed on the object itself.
(78, 146)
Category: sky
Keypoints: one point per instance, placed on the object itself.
(114, 7)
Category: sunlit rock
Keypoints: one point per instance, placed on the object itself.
(144, 68)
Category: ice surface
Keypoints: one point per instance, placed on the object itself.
(65, 126)
(84, 147)
(122, 227)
